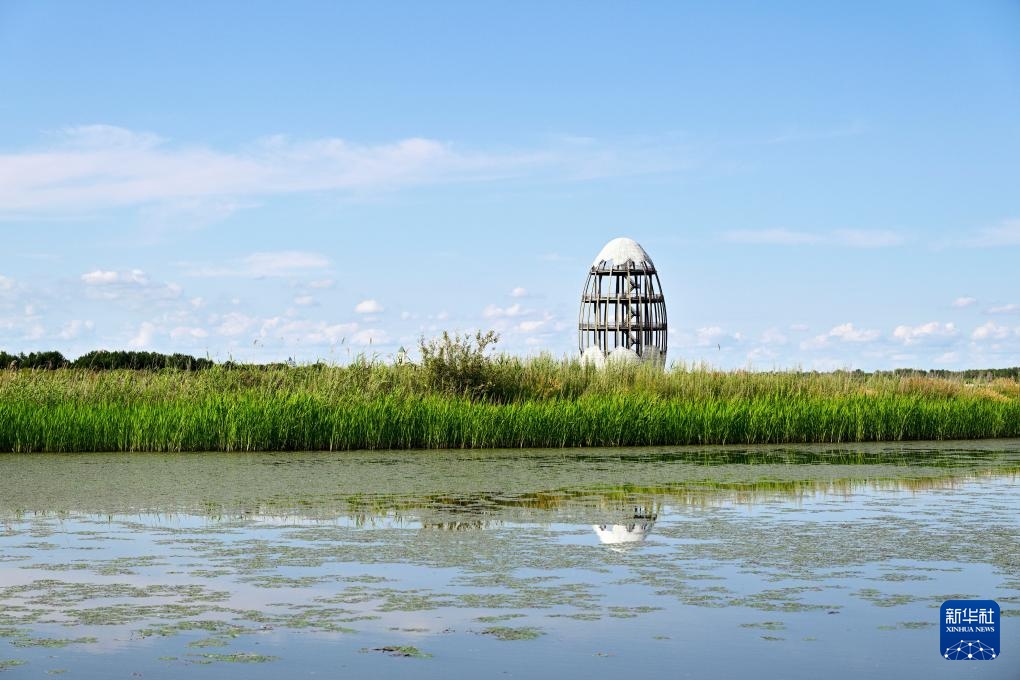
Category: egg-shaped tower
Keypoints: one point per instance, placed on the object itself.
(623, 312)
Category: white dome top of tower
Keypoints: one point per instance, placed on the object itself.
(620, 250)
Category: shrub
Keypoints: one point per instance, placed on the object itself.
(458, 364)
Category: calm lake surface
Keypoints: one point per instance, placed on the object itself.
(794, 562)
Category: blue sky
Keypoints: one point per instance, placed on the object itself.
(821, 185)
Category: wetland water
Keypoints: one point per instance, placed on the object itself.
(794, 562)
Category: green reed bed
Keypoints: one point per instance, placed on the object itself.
(500, 402)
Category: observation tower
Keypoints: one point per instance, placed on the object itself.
(623, 312)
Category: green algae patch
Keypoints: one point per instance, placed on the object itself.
(880, 599)
(237, 657)
(631, 612)
(511, 633)
(7, 664)
(765, 625)
(496, 618)
(400, 651)
(52, 642)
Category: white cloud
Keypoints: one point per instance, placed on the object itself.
(304, 300)
(187, 214)
(1005, 309)
(370, 336)
(531, 326)
(131, 285)
(773, 336)
(849, 238)
(947, 358)
(1005, 233)
(321, 283)
(6, 283)
(234, 323)
(761, 354)
(188, 333)
(143, 338)
(847, 333)
(284, 262)
(844, 333)
(709, 335)
(910, 335)
(519, 292)
(99, 277)
(107, 137)
(863, 238)
(368, 307)
(72, 329)
(964, 301)
(772, 237)
(103, 166)
(262, 265)
(297, 331)
(990, 331)
(494, 312)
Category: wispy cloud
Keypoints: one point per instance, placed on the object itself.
(144, 336)
(990, 331)
(791, 135)
(188, 333)
(261, 265)
(72, 329)
(1011, 308)
(495, 312)
(132, 286)
(368, 307)
(846, 332)
(910, 335)
(100, 277)
(233, 323)
(848, 238)
(95, 167)
(1005, 233)
(964, 301)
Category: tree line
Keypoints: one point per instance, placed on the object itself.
(104, 360)
(435, 356)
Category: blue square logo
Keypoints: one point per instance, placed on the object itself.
(970, 630)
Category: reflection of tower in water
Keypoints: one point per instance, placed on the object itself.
(626, 534)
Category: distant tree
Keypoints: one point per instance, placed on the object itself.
(44, 360)
(104, 360)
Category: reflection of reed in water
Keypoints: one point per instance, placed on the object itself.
(702, 493)
(456, 525)
(593, 496)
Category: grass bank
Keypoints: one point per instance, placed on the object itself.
(502, 402)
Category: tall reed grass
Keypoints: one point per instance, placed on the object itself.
(508, 402)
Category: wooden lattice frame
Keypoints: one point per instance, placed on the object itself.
(623, 306)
